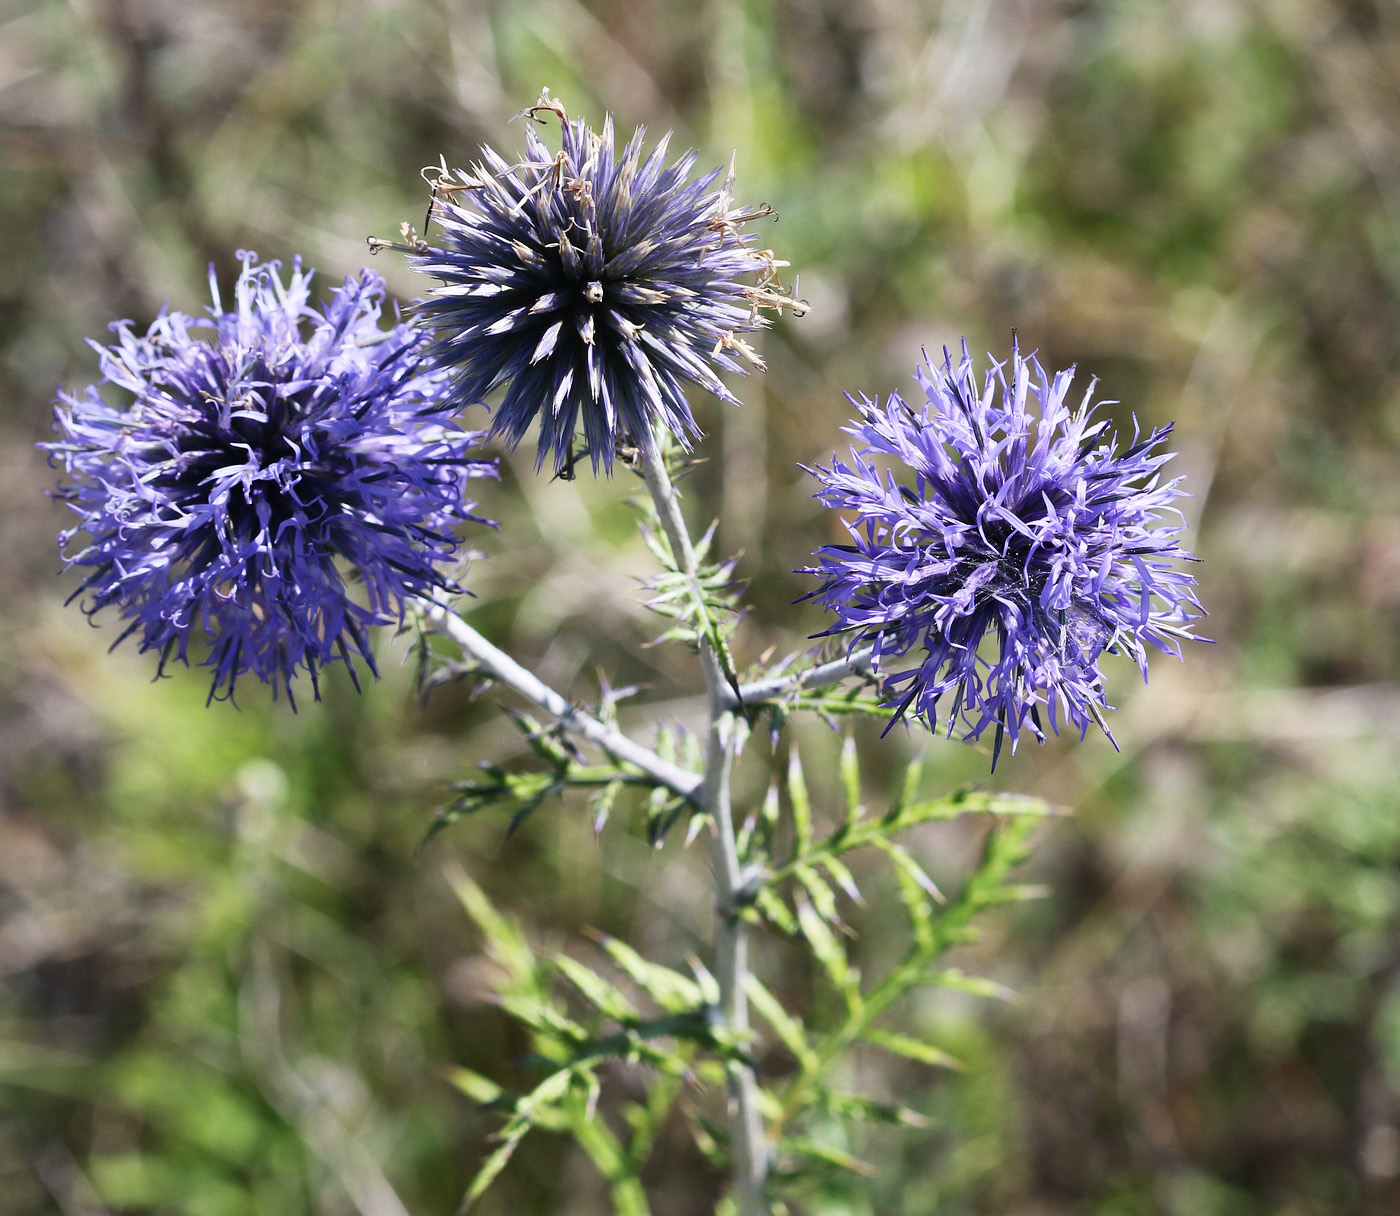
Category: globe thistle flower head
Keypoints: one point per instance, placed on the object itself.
(263, 450)
(593, 284)
(1001, 543)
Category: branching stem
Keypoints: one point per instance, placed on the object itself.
(857, 664)
(500, 666)
(747, 1149)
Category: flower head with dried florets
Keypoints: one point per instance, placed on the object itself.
(264, 451)
(594, 285)
(1010, 541)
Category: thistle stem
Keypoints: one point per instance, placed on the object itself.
(747, 1149)
(857, 664)
(500, 666)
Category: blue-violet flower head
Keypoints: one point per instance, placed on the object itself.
(262, 452)
(594, 285)
(1001, 534)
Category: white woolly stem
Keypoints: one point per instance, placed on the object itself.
(857, 664)
(501, 667)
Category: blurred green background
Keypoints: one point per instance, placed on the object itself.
(230, 982)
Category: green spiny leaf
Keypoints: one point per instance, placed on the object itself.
(671, 990)
(842, 877)
(964, 802)
(911, 1048)
(603, 805)
(819, 893)
(868, 1110)
(828, 1155)
(712, 1140)
(916, 892)
(801, 806)
(771, 907)
(529, 1109)
(504, 938)
(658, 545)
(787, 1027)
(595, 989)
(757, 838)
(558, 1035)
(850, 780)
(829, 953)
(973, 985)
(705, 981)
(479, 1089)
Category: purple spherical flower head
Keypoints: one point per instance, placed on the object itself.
(264, 451)
(594, 285)
(1010, 541)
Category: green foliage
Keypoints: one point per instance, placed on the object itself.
(1195, 201)
(701, 601)
(580, 1021)
(523, 792)
(571, 1050)
(800, 894)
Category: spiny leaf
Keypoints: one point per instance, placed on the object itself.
(819, 893)
(842, 877)
(529, 790)
(768, 904)
(777, 720)
(479, 1089)
(850, 780)
(531, 804)
(635, 1041)
(645, 1118)
(973, 985)
(493, 1165)
(545, 1095)
(504, 938)
(1014, 893)
(663, 808)
(759, 838)
(826, 1154)
(603, 805)
(558, 1035)
(595, 989)
(769, 819)
(801, 806)
(868, 1110)
(712, 1139)
(909, 787)
(787, 1027)
(658, 545)
(703, 545)
(670, 989)
(663, 811)
(965, 802)
(911, 1048)
(917, 892)
(834, 705)
(829, 953)
(705, 981)
(769, 1106)
(703, 599)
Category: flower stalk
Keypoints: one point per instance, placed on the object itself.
(822, 676)
(495, 663)
(748, 1152)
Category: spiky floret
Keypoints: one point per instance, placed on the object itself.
(1010, 541)
(260, 452)
(594, 285)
